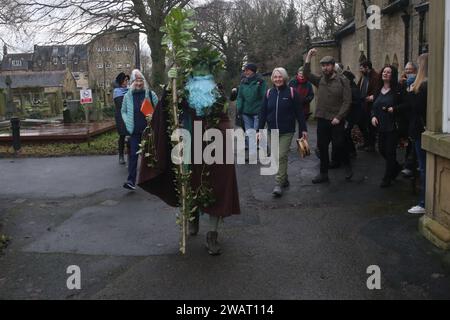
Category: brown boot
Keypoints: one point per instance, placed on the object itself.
(211, 243)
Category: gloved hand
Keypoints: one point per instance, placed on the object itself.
(173, 73)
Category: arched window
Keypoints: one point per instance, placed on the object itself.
(362, 57)
(387, 61)
(395, 61)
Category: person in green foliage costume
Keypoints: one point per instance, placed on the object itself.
(214, 185)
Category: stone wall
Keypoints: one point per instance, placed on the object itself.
(348, 56)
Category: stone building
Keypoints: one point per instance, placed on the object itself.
(40, 90)
(60, 58)
(93, 65)
(435, 225)
(16, 61)
(112, 53)
(403, 35)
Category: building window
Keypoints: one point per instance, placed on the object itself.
(119, 65)
(108, 65)
(108, 49)
(395, 61)
(125, 48)
(63, 60)
(16, 63)
(99, 49)
(118, 49)
(128, 65)
(99, 66)
(55, 60)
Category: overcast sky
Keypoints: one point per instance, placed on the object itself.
(25, 40)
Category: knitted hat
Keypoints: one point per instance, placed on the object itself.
(251, 66)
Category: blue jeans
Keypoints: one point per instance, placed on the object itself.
(422, 159)
(251, 122)
(134, 142)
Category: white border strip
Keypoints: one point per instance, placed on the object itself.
(446, 98)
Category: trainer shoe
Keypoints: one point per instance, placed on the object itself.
(417, 210)
(129, 186)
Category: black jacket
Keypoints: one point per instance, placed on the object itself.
(418, 119)
(357, 104)
(280, 109)
(387, 121)
(403, 110)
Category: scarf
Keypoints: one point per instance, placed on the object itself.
(302, 88)
(411, 79)
(119, 92)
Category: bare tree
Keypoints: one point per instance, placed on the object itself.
(327, 16)
(72, 19)
(218, 26)
(10, 19)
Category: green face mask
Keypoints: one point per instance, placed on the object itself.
(201, 70)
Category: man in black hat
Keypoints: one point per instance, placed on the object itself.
(334, 98)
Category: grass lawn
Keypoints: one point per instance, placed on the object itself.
(105, 144)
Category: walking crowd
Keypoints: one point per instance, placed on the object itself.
(384, 106)
(388, 109)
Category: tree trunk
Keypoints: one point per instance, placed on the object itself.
(158, 61)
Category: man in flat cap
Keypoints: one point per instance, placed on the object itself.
(334, 98)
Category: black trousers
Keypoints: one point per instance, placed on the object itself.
(387, 144)
(368, 131)
(327, 133)
(410, 157)
(121, 143)
(349, 145)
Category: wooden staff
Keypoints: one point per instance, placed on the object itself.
(184, 214)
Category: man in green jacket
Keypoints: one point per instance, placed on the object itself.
(250, 97)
